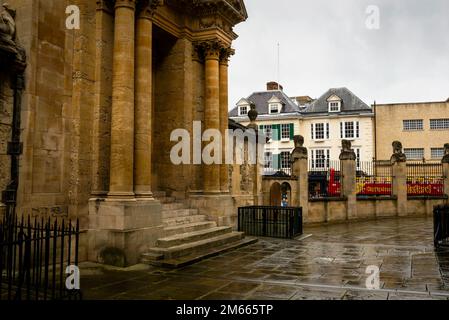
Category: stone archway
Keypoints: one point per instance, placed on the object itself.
(275, 195)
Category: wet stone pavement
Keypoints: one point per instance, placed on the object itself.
(328, 262)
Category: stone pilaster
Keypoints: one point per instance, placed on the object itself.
(212, 110)
(122, 123)
(300, 171)
(348, 179)
(224, 123)
(144, 103)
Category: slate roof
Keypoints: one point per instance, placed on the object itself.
(350, 103)
(260, 99)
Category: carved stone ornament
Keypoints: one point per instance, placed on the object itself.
(300, 152)
(8, 43)
(347, 153)
(446, 154)
(398, 155)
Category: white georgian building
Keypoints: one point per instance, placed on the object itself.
(338, 114)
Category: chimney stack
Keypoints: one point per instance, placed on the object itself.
(273, 85)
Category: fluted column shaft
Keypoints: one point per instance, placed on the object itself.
(143, 108)
(212, 112)
(122, 122)
(224, 170)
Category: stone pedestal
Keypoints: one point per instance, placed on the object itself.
(399, 171)
(121, 230)
(300, 171)
(349, 188)
(446, 178)
(218, 208)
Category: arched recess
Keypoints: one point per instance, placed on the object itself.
(275, 195)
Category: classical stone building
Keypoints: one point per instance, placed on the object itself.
(99, 106)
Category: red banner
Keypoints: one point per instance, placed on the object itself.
(422, 189)
(378, 189)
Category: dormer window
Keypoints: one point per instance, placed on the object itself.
(243, 110)
(275, 108)
(334, 106)
(334, 103)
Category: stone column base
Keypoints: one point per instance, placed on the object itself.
(121, 230)
(219, 208)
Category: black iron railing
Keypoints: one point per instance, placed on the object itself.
(374, 178)
(441, 225)
(273, 222)
(34, 256)
(324, 179)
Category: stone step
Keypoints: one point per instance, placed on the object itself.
(159, 194)
(178, 213)
(197, 246)
(164, 200)
(183, 220)
(190, 237)
(196, 257)
(190, 227)
(173, 206)
(151, 257)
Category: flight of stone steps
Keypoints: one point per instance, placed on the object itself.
(189, 237)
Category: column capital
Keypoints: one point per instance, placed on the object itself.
(147, 8)
(210, 49)
(105, 5)
(225, 55)
(131, 4)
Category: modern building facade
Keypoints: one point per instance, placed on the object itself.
(423, 129)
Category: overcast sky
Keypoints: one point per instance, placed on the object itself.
(326, 44)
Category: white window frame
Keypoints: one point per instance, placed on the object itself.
(413, 125)
(274, 105)
(285, 128)
(324, 162)
(240, 110)
(326, 129)
(268, 160)
(439, 124)
(334, 106)
(437, 153)
(285, 160)
(268, 133)
(344, 130)
(414, 153)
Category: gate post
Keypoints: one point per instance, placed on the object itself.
(300, 171)
(348, 179)
(445, 163)
(399, 184)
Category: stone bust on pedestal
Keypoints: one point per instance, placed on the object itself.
(8, 42)
(398, 155)
(300, 152)
(446, 154)
(347, 153)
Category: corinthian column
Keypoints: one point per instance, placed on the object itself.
(224, 170)
(212, 110)
(122, 123)
(143, 108)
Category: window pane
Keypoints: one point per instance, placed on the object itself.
(414, 153)
(439, 124)
(349, 129)
(319, 131)
(413, 125)
(285, 160)
(437, 153)
(285, 128)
